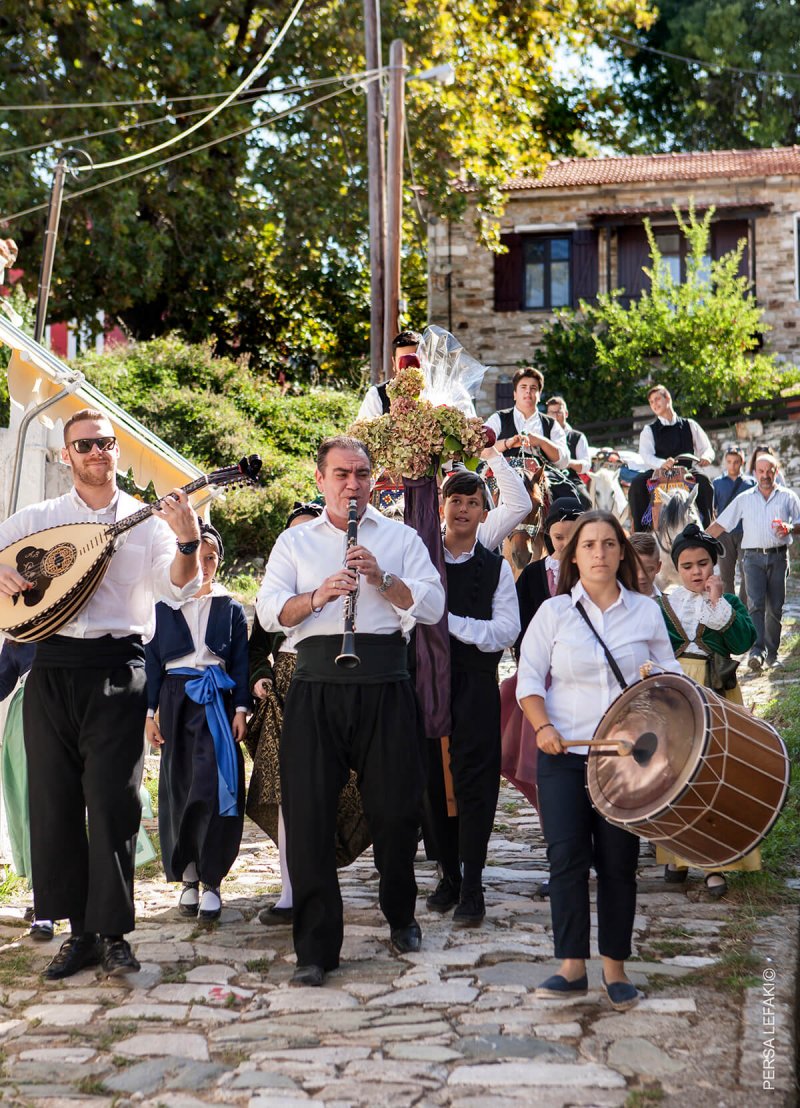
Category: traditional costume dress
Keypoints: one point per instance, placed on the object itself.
(197, 673)
(703, 635)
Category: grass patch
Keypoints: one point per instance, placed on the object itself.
(781, 848)
(648, 1094)
(243, 586)
(91, 1086)
(173, 975)
(258, 965)
(120, 1029)
(14, 965)
(11, 885)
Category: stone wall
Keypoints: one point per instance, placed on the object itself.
(503, 339)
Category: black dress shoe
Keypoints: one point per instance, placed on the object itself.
(75, 953)
(42, 930)
(117, 958)
(446, 895)
(407, 940)
(275, 916)
(471, 910)
(308, 977)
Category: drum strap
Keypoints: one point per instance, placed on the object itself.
(609, 656)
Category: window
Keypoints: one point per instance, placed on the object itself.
(547, 272)
(673, 247)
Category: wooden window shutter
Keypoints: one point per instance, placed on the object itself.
(584, 265)
(633, 252)
(725, 236)
(508, 275)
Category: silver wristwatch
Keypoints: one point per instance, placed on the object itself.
(387, 580)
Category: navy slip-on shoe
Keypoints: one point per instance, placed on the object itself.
(558, 988)
(622, 994)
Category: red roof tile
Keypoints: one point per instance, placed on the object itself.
(579, 172)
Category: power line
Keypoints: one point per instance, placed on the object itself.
(193, 150)
(719, 66)
(252, 96)
(264, 90)
(255, 72)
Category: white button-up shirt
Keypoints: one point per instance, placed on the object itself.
(532, 425)
(756, 513)
(503, 628)
(582, 687)
(303, 557)
(137, 577)
(514, 506)
(702, 448)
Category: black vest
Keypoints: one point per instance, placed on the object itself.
(383, 394)
(508, 429)
(573, 438)
(673, 440)
(471, 586)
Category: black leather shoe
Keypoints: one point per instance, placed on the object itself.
(118, 958)
(446, 895)
(471, 910)
(308, 977)
(275, 916)
(407, 940)
(75, 953)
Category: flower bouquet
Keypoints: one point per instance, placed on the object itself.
(417, 435)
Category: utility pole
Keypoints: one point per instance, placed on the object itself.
(49, 250)
(394, 194)
(377, 201)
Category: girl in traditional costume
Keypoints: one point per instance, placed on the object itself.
(706, 627)
(197, 680)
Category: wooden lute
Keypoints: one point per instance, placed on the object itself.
(68, 562)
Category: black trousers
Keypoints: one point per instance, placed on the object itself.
(84, 740)
(475, 765)
(375, 729)
(577, 838)
(189, 824)
(639, 498)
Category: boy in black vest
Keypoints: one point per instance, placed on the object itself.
(483, 617)
(661, 444)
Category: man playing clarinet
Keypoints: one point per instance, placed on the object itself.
(365, 717)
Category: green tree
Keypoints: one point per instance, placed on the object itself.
(262, 240)
(675, 106)
(699, 337)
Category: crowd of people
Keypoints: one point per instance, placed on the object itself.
(341, 757)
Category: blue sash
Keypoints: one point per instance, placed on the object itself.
(207, 688)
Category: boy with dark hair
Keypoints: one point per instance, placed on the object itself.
(376, 399)
(483, 618)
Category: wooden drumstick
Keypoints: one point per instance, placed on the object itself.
(622, 746)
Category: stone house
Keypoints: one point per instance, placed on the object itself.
(578, 230)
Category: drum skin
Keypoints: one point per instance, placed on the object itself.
(706, 780)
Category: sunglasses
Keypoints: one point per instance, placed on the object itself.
(83, 446)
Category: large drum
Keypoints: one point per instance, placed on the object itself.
(706, 780)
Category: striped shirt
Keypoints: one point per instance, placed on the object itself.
(756, 514)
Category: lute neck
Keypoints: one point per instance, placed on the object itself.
(145, 512)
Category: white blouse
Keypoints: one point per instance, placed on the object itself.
(558, 644)
(692, 609)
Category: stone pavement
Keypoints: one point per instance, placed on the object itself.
(211, 1018)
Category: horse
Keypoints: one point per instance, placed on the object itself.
(677, 510)
(525, 543)
(606, 494)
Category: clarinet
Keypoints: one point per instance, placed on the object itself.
(348, 657)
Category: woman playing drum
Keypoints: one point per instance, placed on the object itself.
(705, 627)
(596, 624)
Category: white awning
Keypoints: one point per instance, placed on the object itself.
(35, 375)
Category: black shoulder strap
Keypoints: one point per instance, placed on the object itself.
(623, 684)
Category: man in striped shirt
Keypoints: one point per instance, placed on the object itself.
(770, 515)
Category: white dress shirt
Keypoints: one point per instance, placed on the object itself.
(581, 452)
(371, 405)
(756, 513)
(515, 504)
(532, 425)
(303, 557)
(503, 628)
(559, 643)
(692, 609)
(701, 447)
(137, 577)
